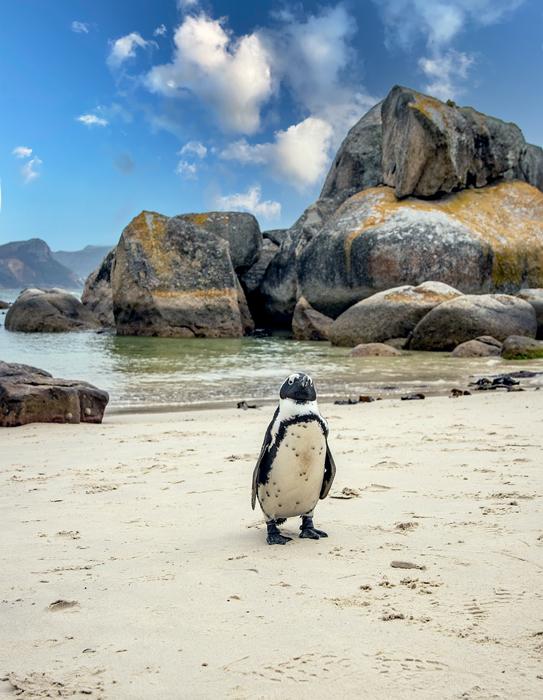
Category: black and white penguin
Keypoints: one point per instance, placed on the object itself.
(295, 467)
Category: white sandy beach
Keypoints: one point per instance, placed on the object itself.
(134, 568)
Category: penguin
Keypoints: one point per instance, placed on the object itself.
(295, 467)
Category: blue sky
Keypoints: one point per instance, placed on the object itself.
(189, 105)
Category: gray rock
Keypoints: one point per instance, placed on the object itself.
(431, 147)
(252, 278)
(531, 166)
(535, 298)
(30, 395)
(484, 346)
(171, 278)
(374, 350)
(240, 229)
(478, 241)
(393, 313)
(97, 292)
(49, 311)
(517, 347)
(276, 235)
(247, 323)
(470, 316)
(308, 324)
(4, 305)
(358, 163)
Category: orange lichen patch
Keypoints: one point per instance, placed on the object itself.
(435, 110)
(148, 229)
(424, 295)
(507, 217)
(211, 293)
(203, 219)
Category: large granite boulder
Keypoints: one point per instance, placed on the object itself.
(393, 313)
(49, 311)
(518, 347)
(484, 346)
(357, 165)
(171, 278)
(470, 316)
(478, 241)
(535, 298)
(240, 229)
(309, 324)
(430, 147)
(31, 395)
(97, 292)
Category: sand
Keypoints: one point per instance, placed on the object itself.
(133, 566)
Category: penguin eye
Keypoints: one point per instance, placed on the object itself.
(291, 381)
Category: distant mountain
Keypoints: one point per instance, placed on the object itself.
(83, 261)
(31, 264)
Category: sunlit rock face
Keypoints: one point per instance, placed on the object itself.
(171, 278)
(477, 241)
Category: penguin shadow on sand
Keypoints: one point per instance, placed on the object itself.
(295, 467)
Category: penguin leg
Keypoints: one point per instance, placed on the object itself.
(274, 535)
(308, 531)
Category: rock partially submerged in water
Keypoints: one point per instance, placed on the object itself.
(375, 350)
(470, 316)
(31, 395)
(49, 311)
(97, 292)
(309, 324)
(517, 347)
(535, 298)
(484, 346)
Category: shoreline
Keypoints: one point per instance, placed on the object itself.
(134, 564)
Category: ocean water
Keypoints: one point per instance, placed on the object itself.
(162, 373)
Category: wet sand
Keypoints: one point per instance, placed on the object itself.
(135, 568)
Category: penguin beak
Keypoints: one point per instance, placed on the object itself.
(304, 383)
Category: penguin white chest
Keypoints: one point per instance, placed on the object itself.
(295, 479)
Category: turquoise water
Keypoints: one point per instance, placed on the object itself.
(157, 373)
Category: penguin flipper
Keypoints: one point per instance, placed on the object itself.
(261, 469)
(329, 473)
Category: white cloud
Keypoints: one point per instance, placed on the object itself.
(232, 78)
(186, 169)
(160, 31)
(186, 4)
(299, 155)
(125, 48)
(80, 27)
(195, 147)
(27, 170)
(92, 120)
(444, 71)
(250, 201)
(22, 152)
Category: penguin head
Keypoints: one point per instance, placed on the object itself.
(298, 387)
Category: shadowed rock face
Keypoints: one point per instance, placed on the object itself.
(30, 395)
(171, 278)
(97, 292)
(470, 316)
(535, 298)
(49, 311)
(477, 241)
(430, 147)
(308, 324)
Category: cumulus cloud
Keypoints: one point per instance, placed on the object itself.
(160, 31)
(232, 78)
(299, 154)
(186, 170)
(92, 120)
(124, 163)
(444, 72)
(184, 5)
(28, 172)
(195, 147)
(125, 48)
(80, 27)
(249, 201)
(22, 152)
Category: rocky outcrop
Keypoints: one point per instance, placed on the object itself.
(4, 305)
(308, 324)
(430, 147)
(470, 316)
(484, 346)
(240, 229)
(30, 395)
(478, 241)
(97, 292)
(535, 298)
(171, 278)
(517, 347)
(31, 263)
(390, 314)
(49, 311)
(374, 350)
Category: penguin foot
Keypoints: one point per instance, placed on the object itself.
(274, 534)
(308, 531)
